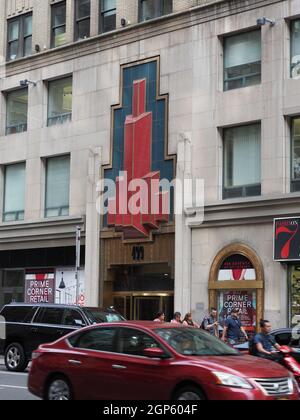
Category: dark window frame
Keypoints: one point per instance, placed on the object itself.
(295, 183)
(78, 20)
(22, 127)
(161, 13)
(21, 38)
(62, 118)
(243, 191)
(20, 214)
(62, 208)
(242, 77)
(102, 13)
(53, 27)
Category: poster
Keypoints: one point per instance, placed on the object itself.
(66, 287)
(245, 301)
(40, 287)
(287, 239)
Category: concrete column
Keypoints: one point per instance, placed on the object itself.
(95, 13)
(2, 32)
(183, 234)
(92, 238)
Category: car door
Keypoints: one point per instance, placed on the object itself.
(90, 364)
(46, 326)
(140, 377)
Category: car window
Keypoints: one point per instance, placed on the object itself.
(73, 318)
(22, 314)
(100, 317)
(100, 339)
(50, 316)
(283, 339)
(134, 342)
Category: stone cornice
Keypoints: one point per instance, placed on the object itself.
(52, 229)
(253, 211)
(174, 22)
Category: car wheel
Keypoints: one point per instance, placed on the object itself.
(59, 389)
(15, 358)
(189, 393)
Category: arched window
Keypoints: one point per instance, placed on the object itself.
(237, 281)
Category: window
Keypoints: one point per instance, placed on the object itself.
(150, 9)
(60, 101)
(295, 49)
(108, 13)
(14, 192)
(16, 111)
(22, 314)
(19, 37)
(242, 161)
(57, 186)
(295, 176)
(82, 17)
(99, 339)
(73, 318)
(242, 60)
(134, 342)
(49, 316)
(58, 23)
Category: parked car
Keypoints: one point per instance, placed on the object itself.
(28, 326)
(147, 361)
(283, 337)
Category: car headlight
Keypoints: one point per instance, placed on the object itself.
(226, 379)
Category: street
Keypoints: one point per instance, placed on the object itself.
(13, 386)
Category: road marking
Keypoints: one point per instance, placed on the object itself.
(13, 386)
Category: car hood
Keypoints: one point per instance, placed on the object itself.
(246, 366)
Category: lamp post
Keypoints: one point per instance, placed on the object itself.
(77, 268)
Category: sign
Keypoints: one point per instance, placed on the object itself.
(39, 287)
(244, 301)
(287, 239)
(237, 268)
(140, 201)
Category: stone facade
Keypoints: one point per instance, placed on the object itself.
(189, 44)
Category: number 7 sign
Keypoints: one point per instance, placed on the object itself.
(287, 239)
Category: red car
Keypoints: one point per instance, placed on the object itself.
(150, 361)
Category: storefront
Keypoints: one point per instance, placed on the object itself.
(45, 276)
(237, 281)
(287, 252)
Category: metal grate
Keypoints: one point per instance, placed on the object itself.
(276, 387)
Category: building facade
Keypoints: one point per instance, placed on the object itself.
(221, 103)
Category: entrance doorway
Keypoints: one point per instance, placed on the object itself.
(144, 306)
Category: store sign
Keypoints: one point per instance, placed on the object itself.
(40, 287)
(287, 239)
(237, 268)
(244, 301)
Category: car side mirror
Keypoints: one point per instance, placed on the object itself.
(154, 353)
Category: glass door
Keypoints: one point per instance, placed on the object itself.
(146, 308)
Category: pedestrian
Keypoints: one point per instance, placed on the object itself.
(188, 321)
(160, 317)
(210, 323)
(177, 318)
(233, 329)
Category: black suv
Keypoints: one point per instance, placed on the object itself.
(28, 326)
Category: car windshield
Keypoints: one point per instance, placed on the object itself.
(194, 342)
(98, 317)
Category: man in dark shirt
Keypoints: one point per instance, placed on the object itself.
(233, 329)
(210, 323)
(264, 345)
